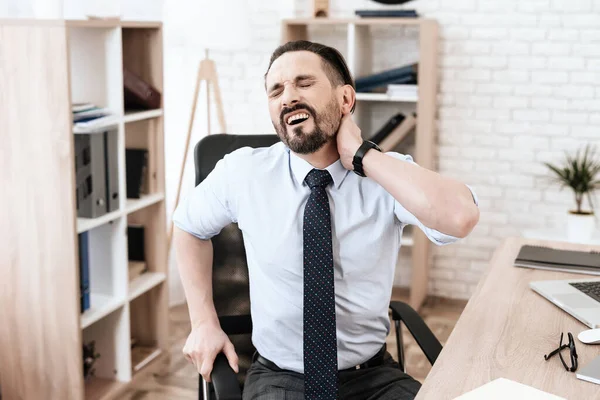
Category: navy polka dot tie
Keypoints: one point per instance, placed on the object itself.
(320, 345)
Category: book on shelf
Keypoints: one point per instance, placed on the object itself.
(96, 173)
(138, 93)
(387, 13)
(88, 117)
(407, 74)
(84, 271)
(136, 161)
(81, 107)
(135, 242)
(387, 128)
(404, 91)
(394, 131)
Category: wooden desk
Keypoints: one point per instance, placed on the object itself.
(506, 329)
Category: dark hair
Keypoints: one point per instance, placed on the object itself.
(334, 64)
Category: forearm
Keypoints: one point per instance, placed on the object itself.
(439, 202)
(194, 260)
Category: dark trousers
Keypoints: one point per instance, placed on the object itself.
(384, 382)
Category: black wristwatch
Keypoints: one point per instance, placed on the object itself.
(360, 153)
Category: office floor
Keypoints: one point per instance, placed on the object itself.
(180, 380)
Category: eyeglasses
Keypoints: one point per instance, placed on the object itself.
(571, 347)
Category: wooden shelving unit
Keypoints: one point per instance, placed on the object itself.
(359, 55)
(46, 66)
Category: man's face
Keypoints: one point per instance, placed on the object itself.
(303, 105)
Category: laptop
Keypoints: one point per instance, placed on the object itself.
(578, 297)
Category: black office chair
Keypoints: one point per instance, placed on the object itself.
(231, 290)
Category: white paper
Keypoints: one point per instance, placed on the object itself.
(502, 388)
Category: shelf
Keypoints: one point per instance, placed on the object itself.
(113, 121)
(144, 283)
(111, 23)
(85, 224)
(131, 116)
(134, 205)
(101, 306)
(108, 123)
(101, 388)
(356, 21)
(142, 357)
(408, 98)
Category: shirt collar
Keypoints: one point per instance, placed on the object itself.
(301, 168)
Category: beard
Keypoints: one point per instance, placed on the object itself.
(301, 141)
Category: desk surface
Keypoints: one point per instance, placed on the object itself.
(505, 330)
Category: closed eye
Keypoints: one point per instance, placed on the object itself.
(275, 93)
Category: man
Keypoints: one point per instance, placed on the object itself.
(322, 240)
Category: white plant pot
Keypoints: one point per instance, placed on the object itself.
(580, 228)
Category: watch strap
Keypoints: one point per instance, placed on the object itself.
(360, 153)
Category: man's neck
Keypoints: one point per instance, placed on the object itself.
(323, 157)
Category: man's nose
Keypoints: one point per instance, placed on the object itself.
(290, 97)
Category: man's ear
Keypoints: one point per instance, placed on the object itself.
(347, 98)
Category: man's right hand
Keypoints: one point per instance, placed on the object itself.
(205, 342)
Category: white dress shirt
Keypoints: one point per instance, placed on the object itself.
(263, 190)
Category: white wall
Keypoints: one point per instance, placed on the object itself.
(520, 83)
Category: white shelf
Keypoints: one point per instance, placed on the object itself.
(101, 306)
(141, 115)
(143, 202)
(408, 98)
(144, 283)
(85, 224)
(113, 121)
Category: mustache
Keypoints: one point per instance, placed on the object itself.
(299, 106)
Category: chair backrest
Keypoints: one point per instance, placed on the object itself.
(231, 293)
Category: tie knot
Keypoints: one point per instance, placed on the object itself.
(318, 177)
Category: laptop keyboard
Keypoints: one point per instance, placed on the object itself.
(592, 289)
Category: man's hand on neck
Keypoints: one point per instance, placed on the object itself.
(349, 140)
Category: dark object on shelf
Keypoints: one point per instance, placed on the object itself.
(89, 358)
(139, 94)
(84, 271)
(96, 173)
(407, 74)
(386, 129)
(391, 2)
(135, 243)
(136, 161)
(320, 8)
(387, 13)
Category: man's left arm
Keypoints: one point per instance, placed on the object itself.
(436, 201)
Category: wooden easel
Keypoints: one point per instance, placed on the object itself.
(207, 71)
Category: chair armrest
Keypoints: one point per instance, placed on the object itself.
(236, 324)
(426, 340)
(224, 380)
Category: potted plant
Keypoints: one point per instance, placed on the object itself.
(580, 173)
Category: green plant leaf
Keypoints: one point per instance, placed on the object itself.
(579, 172)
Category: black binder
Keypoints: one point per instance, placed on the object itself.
(548, 258)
